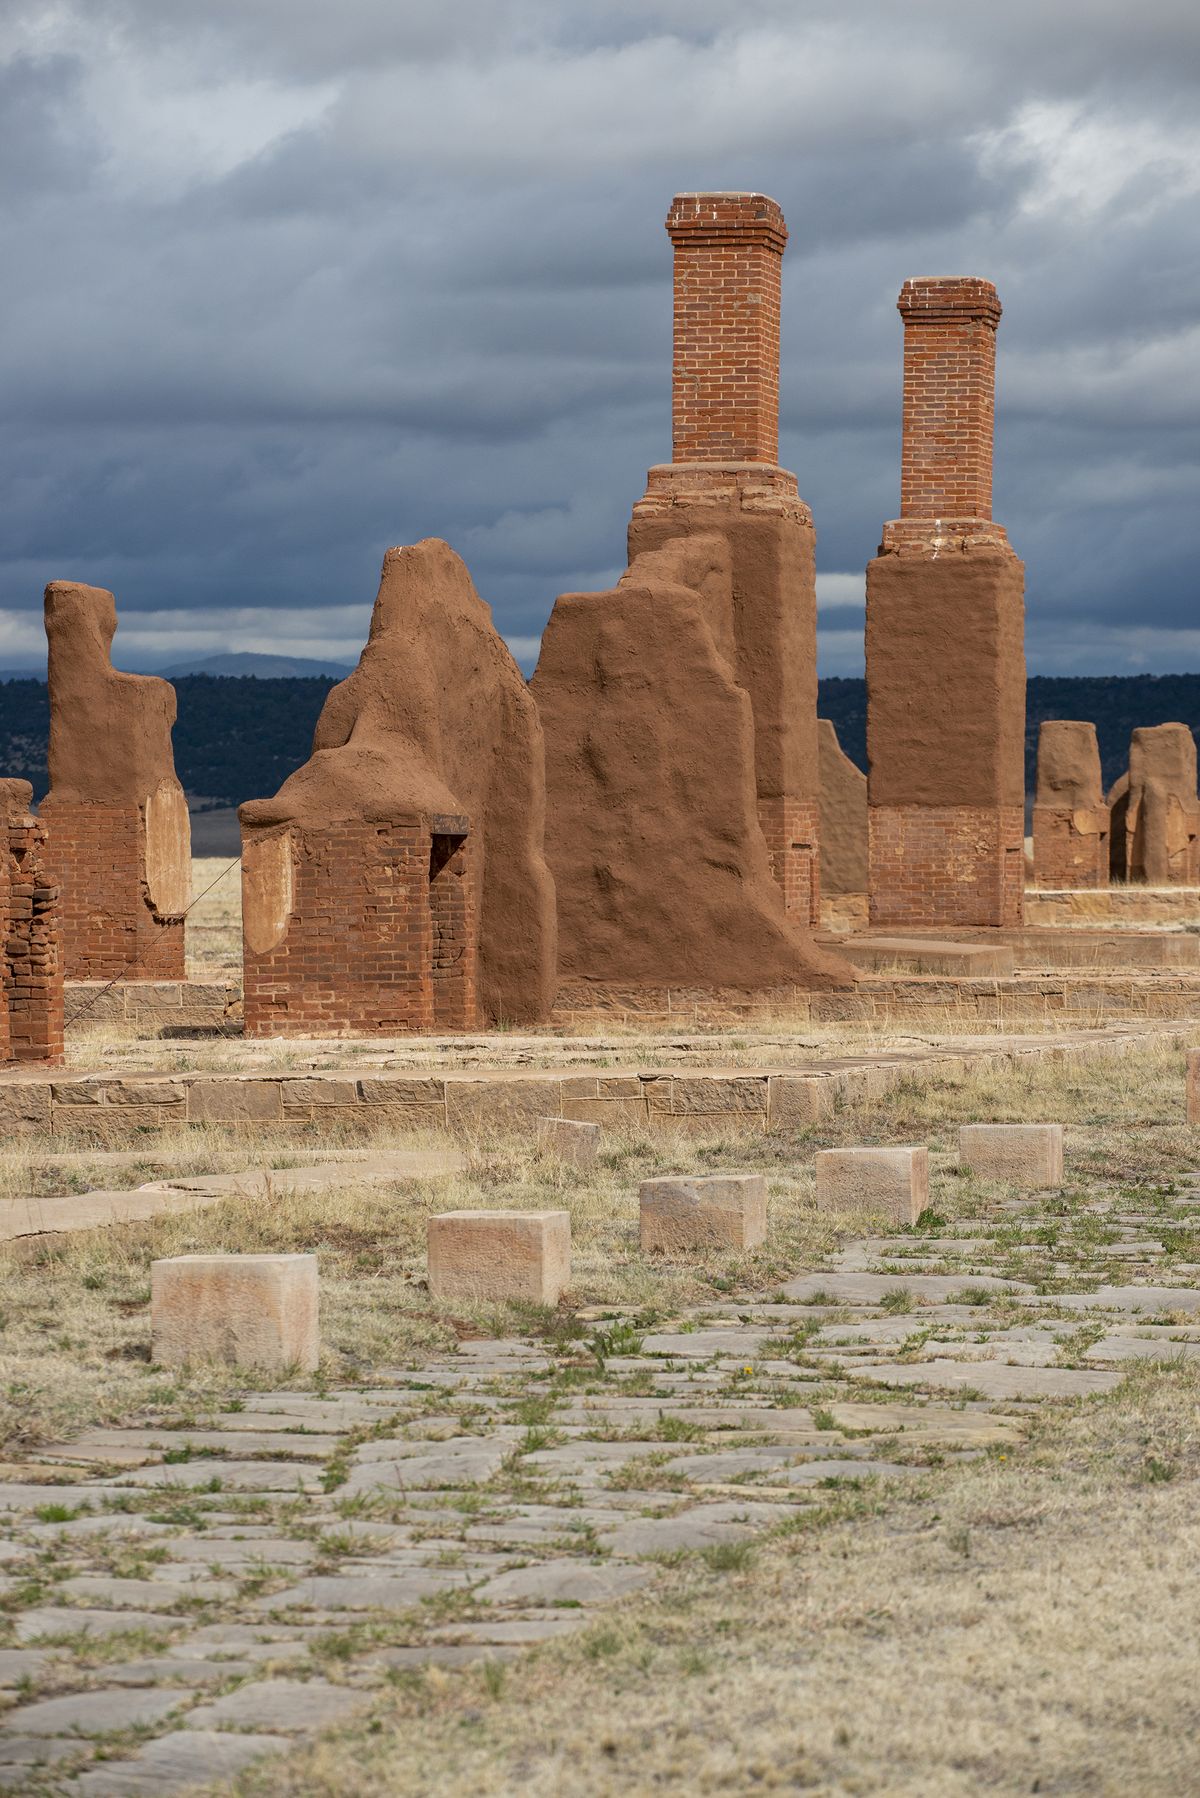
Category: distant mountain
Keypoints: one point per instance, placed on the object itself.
(261, 667)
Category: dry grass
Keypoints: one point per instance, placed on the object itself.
(75, 1309)
(214, 926)
(1025, 1630)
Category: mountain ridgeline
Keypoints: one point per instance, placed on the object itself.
(239, 737)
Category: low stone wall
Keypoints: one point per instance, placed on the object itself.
(1131, 904)
(104, 1108)
(188, 1004)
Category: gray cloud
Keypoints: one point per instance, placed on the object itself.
(285, 283)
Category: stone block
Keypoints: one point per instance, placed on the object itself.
(246, 1310)
(487, 1255)
(1193, 1086)
(797, 1100)
(713, 1211)
(233, 1099)
(892, 1181)
(570, 1139)
(1025, 1155)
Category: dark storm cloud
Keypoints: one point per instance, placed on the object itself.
(286, 282)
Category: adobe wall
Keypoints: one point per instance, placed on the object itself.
(843, 816)
(945, 641)
(31, 1017)
(397, 880)
(119, 838)
(1070, 816)
(660, 864)
(1162, 817)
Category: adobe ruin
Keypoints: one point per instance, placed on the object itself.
(680, 707)
(843, 817)
(119, 837)
(396, 882)
(1070, 814)
(31, 1018)
(945, 639)
(1161, 808)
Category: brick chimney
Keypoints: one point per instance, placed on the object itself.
(725, 392)
(949, 397)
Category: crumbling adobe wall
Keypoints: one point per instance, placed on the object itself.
(1117, 799)
(659, 859)
(119, 842)
(31, 1017)
(1162, 819)
(843, 816)
(397, 881)
(1070, 816)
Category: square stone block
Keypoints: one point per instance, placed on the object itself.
(247, 1310)
(893, 1182)
(713, 1211)
(1026, 1155)
(571, 1139)
(524, 1255)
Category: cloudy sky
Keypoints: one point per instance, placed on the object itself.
(287, 281)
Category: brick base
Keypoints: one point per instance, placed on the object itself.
(792, 829)
(1066, 856)
(941, 865)
(96, 854)
(377, 934)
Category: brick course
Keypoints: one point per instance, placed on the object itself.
(951, 864)
(949, 397)
(1070, 848)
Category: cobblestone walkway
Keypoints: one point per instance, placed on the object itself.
(186, 1594)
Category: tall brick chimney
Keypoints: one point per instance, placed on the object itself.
(945, 640)
(949, 397)
(725, 393)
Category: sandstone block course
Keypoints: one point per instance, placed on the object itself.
(892, 1181)
(715, 1211)
(246, 1310)
(500, 1255)
(1027, 1155)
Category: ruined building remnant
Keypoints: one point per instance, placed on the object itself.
(843, 817)
(396, 882)
(680, 707)
(31, 1017)
(1070, 814)
(1162, 812)
(945, 639)
(119, 839)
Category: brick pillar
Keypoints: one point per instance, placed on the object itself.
(31, 1018)
(945, 640)
(724, 479)
(725, 391)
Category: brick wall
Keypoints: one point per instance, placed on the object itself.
(96, 854)
(1066, 856)
(381, 939)
(946, 865)
(31, 1019)
(949, 397)
(725, 388)
(791, 828)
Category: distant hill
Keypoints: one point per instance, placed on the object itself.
(261, 667)
(240, 737)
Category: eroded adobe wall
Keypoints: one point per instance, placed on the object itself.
(1070, 815)
(1162, 815)
(397, 880)
(31, 1020)
(119, 839)
(843, 816)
